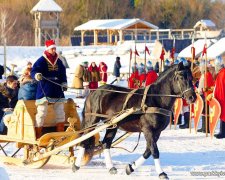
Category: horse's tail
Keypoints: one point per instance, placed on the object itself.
(88, 144)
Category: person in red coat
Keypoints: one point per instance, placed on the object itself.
(134, 80)
(151, 76)
(206, 80)
(95, 76)
(142, 75)
(219, 94)
(103, 73)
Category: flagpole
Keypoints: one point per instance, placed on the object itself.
(192, 52)
(173, 48)
(130, 63)
(145, 55)
(205, 83)
(192, 61)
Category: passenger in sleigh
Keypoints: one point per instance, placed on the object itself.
(50, 73)
(28, 86)
(134, 80)
(8, 99)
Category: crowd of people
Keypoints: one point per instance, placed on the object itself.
(45, 82)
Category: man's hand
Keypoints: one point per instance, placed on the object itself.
(38, 76)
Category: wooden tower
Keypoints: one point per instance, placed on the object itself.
(46, 21)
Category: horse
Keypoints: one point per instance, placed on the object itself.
(155, 103)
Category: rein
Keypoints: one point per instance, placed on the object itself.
(122, 92)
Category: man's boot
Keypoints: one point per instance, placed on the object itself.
(38, 132)
(203, 129)
(60, 127)
(221, 134)
(186, 121)
(179, 120)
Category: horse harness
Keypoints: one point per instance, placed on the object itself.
(144, 108)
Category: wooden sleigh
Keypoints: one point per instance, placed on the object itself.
(21, 132)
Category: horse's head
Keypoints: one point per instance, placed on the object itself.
(182, 83)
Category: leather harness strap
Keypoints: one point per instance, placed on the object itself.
(128, 97)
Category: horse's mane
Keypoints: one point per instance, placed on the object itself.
(165, 74)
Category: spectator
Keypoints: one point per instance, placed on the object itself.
(219, 94)
(86, 79)
(79, 79)
(205, 79)
(1, 71)
(116, 69)
(49, 67)
(95, 76)
(134, 80)
(8, 99)
(63, 59)
(142, 74)
(151, 76)
(103, 73)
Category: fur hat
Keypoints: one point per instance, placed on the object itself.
(49, 44)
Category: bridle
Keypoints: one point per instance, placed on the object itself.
(179, 85)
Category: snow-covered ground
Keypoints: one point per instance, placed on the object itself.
(183, 155)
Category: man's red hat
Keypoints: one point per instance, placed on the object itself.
(49, 44)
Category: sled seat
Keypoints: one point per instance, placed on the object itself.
(21, 123)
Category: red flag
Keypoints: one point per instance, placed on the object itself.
(193, 52)
(136, 52)
(172, 52)
(130, 54)
(147, 50)
(204, 50)
(162, 55)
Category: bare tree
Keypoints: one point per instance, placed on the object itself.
(6, 25)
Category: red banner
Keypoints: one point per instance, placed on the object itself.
(177, 109)
(214, 114)
(198, 107)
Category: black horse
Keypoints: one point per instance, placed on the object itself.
(151, 120)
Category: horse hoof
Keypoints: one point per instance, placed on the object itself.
(113, 170)
(75, 168)
(129, 169)
(163, 176)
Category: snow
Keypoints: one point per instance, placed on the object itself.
(181, 152)
(216, 49)
(46, 6)
(104, 24)
(199, 44)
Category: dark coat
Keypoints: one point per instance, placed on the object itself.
(28, 91)
(116, 70)
(1, 71)
(55, 73)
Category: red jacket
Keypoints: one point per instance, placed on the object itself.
(134, 81)
(219, 92)
(142, 78)
(151, 77)
(210, 82)
(103, 71)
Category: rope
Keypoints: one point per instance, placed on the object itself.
(122, 92)
(118, 147)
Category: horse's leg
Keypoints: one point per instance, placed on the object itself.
(107, 142)
(134, 165)
(155, 153)
(85, 145)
